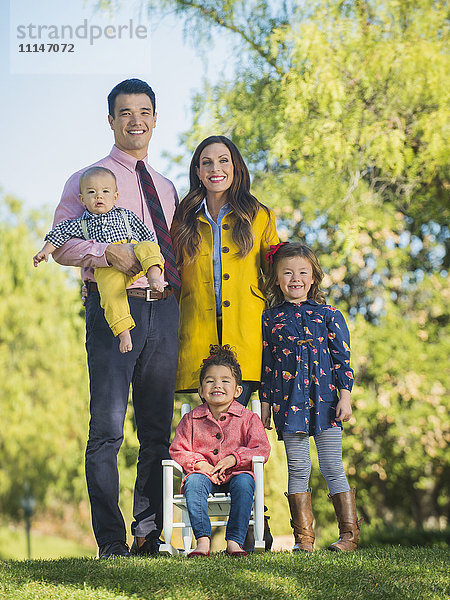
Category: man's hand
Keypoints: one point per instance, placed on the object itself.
(84, 294)
(123, 258)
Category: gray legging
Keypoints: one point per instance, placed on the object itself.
(329, 451)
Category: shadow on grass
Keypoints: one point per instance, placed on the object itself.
(391, 572)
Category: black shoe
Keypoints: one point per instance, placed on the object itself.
(249, 542)
(268, 539)
(148, 548)
(112, 549)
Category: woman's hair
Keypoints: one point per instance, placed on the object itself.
(221, 356)
(245, 206)
(272, 290)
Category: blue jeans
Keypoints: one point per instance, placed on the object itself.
(197, 488)
(151, 370)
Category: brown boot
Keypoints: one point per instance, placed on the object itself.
(302, 520)
(345, 509)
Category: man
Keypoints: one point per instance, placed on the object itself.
(151, 365)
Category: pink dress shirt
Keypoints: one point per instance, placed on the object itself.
(88, 254)
(199, 436)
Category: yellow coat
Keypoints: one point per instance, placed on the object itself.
(242, 300)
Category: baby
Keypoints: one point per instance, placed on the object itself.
(102, 221)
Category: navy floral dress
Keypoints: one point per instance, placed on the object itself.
(306, 359)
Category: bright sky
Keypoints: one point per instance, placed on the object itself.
(53, 105)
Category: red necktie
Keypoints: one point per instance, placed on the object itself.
(160, 225)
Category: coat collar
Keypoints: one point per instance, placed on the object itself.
(308, 301)
(202, 411)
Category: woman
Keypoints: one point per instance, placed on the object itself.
(221, 234)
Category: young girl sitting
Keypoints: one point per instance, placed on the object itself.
(306, 362)
(215, 444)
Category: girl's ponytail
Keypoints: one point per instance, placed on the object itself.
(222, 356)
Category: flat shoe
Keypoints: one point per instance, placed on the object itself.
(237, 553)
(196, 553)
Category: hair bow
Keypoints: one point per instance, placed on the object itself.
(273, 250)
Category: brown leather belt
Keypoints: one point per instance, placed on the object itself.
(145, 293)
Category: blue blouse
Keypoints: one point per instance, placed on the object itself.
(217, 251)
(306, 359)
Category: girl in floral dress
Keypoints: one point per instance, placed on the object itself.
(306, 383)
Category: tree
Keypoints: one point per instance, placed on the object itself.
(341, 111)
(42, 367)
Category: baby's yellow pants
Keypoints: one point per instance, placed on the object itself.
(112, 286)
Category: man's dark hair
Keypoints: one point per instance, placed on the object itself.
(130, 86)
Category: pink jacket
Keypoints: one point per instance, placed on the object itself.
(199, 436)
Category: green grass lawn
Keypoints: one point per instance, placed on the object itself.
(13, 545)
(371, 573)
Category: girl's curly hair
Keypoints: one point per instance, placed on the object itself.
(221, 356)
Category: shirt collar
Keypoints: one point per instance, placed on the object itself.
(126, 160)
(89, 215)
(225, 207)
(308, 301)
(201, 205)
(203, 411)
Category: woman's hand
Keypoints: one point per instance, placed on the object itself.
(344, 406)
(265, 414)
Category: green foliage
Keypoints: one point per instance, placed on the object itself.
(390, 572)
(432, 538)
(398, 444)
(45, 394)
(341, 110)
(43, 372)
